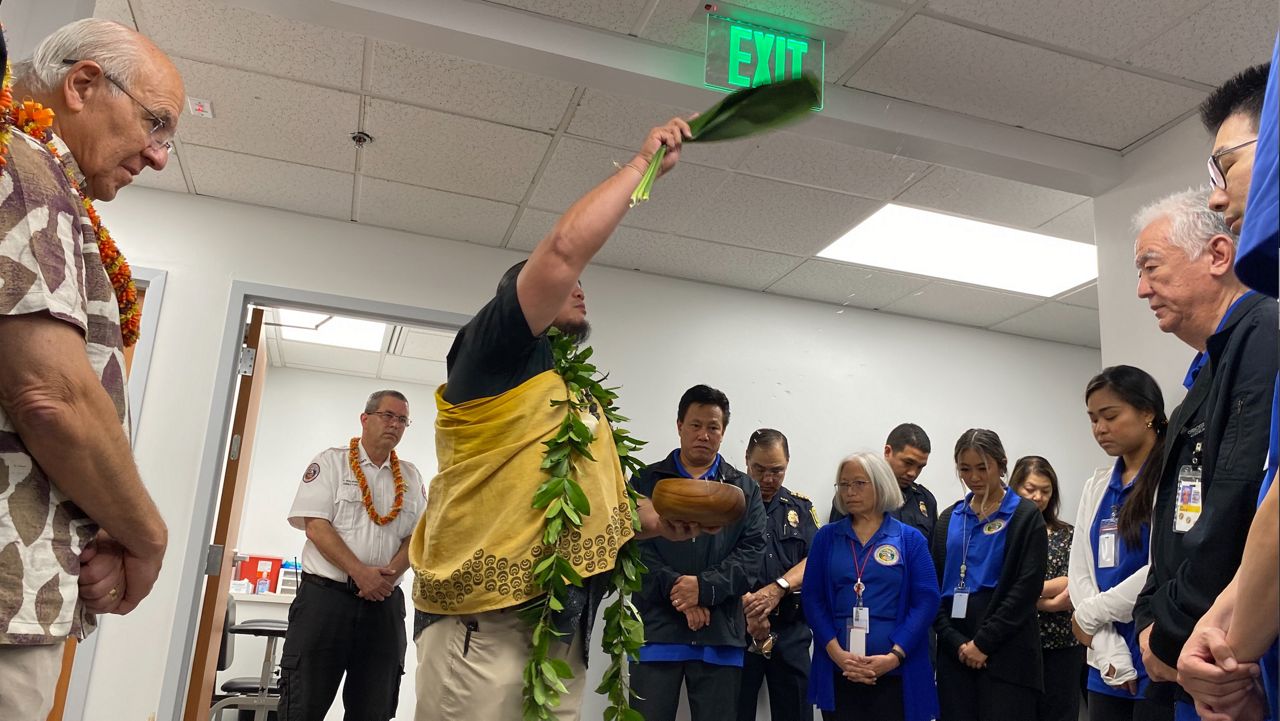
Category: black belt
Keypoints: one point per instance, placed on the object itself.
(347, 585)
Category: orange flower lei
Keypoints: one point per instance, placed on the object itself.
(36, 120)
(353, 457)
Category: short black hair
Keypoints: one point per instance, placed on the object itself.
(766, 437)
(510, 276)
(908, 434)
(1241, 94)
(703, 395)
(375, 399)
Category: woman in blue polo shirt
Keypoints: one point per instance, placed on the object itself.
(870, 593)
(990, 551)
(1110, 553)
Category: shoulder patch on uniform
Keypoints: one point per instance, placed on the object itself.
(313, 471)
(801, 496)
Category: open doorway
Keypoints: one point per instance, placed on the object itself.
(317, 359)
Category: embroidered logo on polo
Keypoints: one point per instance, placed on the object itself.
(313, 471)
(886, 555)
(994, 527)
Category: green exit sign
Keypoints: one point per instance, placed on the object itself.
(742, 55)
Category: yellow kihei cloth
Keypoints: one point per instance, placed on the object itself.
(475, 547)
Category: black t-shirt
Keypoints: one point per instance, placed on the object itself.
(495, 351)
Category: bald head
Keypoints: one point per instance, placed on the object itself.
(116, 97)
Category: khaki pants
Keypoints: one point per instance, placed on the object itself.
(28, 677)
(482, 678)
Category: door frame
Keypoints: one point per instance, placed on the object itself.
(208, 482)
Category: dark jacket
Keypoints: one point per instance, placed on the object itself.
(1008, 631)
(1228, 412)
(725, 563)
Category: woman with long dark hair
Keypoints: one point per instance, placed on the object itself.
(1110, 554)
(1035, 480)
(989, 550)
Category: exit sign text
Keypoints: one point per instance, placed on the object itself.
(740, 55)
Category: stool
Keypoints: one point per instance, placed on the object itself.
(254, 693)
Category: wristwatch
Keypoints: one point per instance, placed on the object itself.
(782, 583)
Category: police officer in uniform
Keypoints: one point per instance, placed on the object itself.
(358, 504)
(779, 636)
(907, 451)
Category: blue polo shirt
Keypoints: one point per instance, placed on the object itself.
(881, 561)
(985, 540)
(1201, 358)
(1129, 560)
(1260, 237)
(718, 655)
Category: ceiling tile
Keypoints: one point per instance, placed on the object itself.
(1115, 108)
(986, 197)
(426, 344)
(168, 179)
(777, 216)
(947, 66)
(625, 122)
(670, 255)
(449, 152)
(255, 114)
(202, 30)
(453, 84)
(1056, 321)
(577, 166)
(1215, 43)
(872, 22)
(335, 359)
(1100, 27)
(1075, 224)
(868, 173)
(414, 370)
(434, 212)
(845, 284)
(276, 184)
(963, 305)
(616, 15)
(117, 10)
(1086, 297)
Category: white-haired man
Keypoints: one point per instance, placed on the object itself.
(1217, 437)
(79, 534)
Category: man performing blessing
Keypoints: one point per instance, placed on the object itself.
(477, 548)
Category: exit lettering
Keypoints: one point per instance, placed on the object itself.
(759, 57)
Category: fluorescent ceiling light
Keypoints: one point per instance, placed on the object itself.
(326, 329)
(969, 251)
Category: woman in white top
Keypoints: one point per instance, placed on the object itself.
(1110, 552)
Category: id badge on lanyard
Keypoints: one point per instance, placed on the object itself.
(858, 627)
(1187, 505)
(1107, 540)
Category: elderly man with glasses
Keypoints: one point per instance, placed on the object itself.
(79, 534)
(358, 504)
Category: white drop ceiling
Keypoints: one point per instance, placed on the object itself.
(490, 118)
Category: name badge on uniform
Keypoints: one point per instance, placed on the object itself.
(1107, 542)
(960, 604)
(1187, 506)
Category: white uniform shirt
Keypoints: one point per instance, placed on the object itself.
(329, 490)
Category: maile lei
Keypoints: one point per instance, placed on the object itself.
(36, 121)
(566, 504)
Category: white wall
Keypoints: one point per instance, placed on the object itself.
(1171, 162)
(833, 382)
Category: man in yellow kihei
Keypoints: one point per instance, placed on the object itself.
(475, 548)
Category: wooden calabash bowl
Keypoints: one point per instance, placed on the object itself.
(707, 503)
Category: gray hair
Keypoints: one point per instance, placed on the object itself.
(109, 44)
(888, 492)
(375, 399)
(1192, 221)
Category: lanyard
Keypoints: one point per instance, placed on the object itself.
(859, 587)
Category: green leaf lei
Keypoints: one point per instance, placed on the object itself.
(565, 504)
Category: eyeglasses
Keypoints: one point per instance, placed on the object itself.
(774, 472)
(158, 124)
(390, 417)
(1218, 176)
(845, 486)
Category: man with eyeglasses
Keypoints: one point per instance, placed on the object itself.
(79, 533)
(358, 504)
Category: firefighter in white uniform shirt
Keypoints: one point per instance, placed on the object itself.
(358, 504)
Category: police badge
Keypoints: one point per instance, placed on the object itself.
(793, 518)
